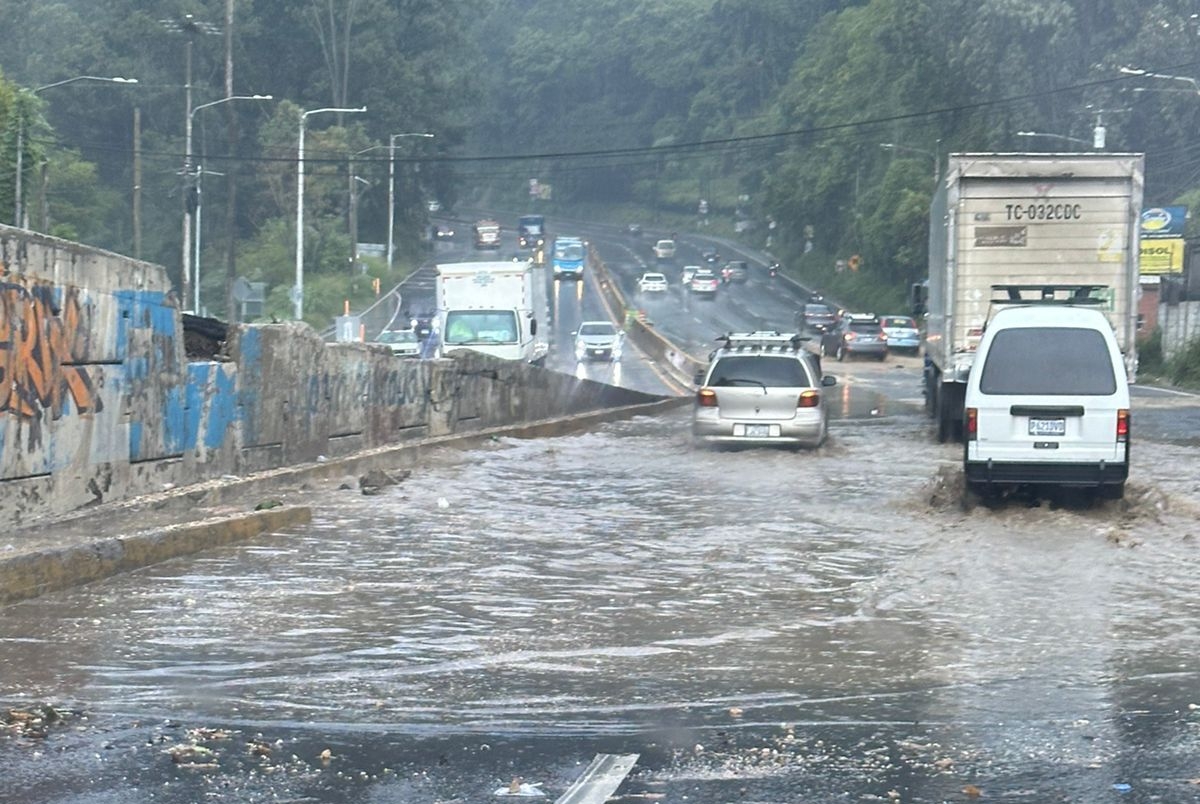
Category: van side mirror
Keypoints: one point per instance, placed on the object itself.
(533, 327)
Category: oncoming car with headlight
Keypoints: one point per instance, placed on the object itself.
(598, 340)
(762, 388)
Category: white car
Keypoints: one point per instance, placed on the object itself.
(1047, 403)
(689, 271)
(664, 249)
(652, 283)
(598, 340)
(403, 342)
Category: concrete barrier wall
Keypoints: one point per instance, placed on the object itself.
(98, 401)
(681, 365)
(1180, 325)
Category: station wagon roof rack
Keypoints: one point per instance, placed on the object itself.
(762, 340)
(1048, 294)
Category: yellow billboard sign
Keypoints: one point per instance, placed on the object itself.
(1162, 256)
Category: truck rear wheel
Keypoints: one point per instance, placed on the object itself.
(948, 413)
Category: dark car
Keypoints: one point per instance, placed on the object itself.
(710, 256)
(856, 334)
(817, 317)
(735, 271)
(422, 324)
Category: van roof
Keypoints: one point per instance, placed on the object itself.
(1043, 316)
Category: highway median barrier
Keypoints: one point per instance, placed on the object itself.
(675, 360)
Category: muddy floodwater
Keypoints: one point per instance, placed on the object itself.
(758, 625)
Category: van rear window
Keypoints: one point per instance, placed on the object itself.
(1056, 361)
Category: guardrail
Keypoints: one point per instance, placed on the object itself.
(678, 363)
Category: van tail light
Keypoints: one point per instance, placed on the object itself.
(1122, 425)
(849, 336)
(883, 336)
(971, 424)
(809, 399)
(706, 398)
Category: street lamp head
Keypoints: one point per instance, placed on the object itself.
(1132, 71)
(1027, 133)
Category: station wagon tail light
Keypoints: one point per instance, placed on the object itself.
(706, 398)
(1122, 425)
(809, 399)
(849, 336)
(883, 336)
(971, 424)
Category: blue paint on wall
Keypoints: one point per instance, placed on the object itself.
(143, 309)
(137, 368)
(222, 408)
(135, 441)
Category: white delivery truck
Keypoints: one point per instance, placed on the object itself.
(1025, 228)
(498, 308)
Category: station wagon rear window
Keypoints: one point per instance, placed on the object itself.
(772, 372)
(1055, 361)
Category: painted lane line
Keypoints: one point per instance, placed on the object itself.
(600, 780)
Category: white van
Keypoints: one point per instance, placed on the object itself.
(1047, 402)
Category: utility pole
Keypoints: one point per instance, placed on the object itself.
(231, 177)
(137, 182)
(189, 27)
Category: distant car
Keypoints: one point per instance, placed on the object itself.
(902, 333)
(598, 340)
(818, 317)
(762, 388)
(403, 342)
(856, 334)
(443, 232)
(735, 271)
(689, 271)
(634, 229)
(434, 206)
(422, 325)
(652, 283)
(704, 283)
(710, 256)
(664, 250)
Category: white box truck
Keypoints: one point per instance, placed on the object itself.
(498, 308)
(1025, 228)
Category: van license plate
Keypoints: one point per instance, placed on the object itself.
(1047, 427)
(758, 431)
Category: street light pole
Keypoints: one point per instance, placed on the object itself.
(391, 228)
(188, 212)
(1147, 74)
(298, 289)
(18, 184)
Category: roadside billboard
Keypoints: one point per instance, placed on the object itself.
(1162, 246)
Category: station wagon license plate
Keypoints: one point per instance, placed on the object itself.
(1047, 427)
(758, 431)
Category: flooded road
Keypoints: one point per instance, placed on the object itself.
(758, 625)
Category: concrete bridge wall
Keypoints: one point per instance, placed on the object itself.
(98, 401)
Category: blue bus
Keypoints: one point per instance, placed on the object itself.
(570, 253)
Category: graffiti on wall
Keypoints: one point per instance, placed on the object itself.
(43, 330)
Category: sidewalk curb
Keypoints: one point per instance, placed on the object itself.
(29, 575)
